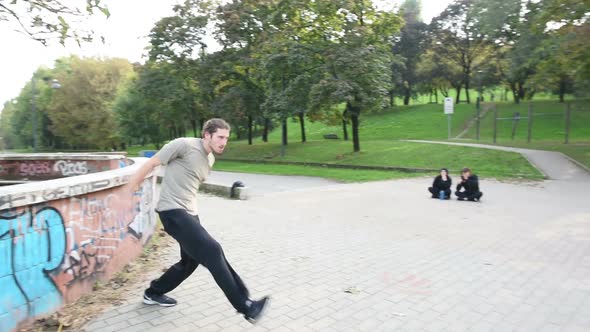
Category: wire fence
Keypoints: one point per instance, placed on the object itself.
(533, 121)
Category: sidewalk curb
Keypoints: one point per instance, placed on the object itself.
(582, 166)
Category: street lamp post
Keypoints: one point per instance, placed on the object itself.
(54, 85)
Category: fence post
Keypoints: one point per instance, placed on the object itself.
(515, 120)
(477, 122)
(530, 129)
(495, 122)
(567, 122)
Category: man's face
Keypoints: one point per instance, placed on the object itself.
(466, 174)
(217, 141)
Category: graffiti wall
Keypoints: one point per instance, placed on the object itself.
(53, 167)
(52, 252)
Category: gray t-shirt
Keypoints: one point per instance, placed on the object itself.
(187, 166)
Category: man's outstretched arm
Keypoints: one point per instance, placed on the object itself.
(141, 173)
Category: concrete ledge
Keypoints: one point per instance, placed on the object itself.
(58, 237)
(241, 193)
(42, 191)
(60, 155)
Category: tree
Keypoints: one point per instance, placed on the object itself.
(10, 139)
(410, 45)
(137, 114)
(19, 113)
(564, 53)
(355, 50)
(178, 41)
(509, 23)
(458, 40)
(80, 110)
(242, 29)
(44, 21)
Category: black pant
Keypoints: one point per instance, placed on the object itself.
(468, 195)
(198, 247)
(436, 191)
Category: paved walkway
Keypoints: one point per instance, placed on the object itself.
(381, 256)
(554, 165)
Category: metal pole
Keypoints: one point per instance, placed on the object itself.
(567, 123)
(449, 126)
(34, 114)
(530, 127)
(495, 122)
(477, 123)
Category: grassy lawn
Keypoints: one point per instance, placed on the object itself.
(404, 122)
(344, 175)
(381, 133)
(488, 163)
(548, 128)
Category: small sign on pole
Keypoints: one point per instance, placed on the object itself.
(449, 105)
(449, 108)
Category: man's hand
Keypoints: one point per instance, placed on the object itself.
(134, 182)
(128, 189)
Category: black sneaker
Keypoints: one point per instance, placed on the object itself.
(256, 309)
(162, 300)
(460, 198)
(479, 196)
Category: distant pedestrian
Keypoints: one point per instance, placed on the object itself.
(468, 188)
(188, 163)
(441, 187)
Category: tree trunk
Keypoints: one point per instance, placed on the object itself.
(391, 98)
(344, 129)
(458, 89)
(302, 123)
(515, 93)
(467, 89)
(521, 91)
(407, 95)
(265, 132)
(249, 130)
(436, 95)
(194, 125)
(284, 130)
(355, 132)
(561, 91)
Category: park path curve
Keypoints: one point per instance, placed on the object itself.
(554, 165)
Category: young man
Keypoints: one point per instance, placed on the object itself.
(470, 184)
(188, 163)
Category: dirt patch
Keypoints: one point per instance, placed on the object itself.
(131, 279)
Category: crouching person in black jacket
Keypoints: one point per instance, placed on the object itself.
(442, 183)
(470, 185)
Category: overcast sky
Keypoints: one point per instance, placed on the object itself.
(125, 32)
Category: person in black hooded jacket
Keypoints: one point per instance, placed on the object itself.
(441, 182)
(470, 185)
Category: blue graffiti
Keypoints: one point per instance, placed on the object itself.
(31, 247)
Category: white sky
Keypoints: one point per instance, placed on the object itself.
(125, 32)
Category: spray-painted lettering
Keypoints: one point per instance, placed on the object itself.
(69, 168)
(34, 168)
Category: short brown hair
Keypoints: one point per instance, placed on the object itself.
(212, 125)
